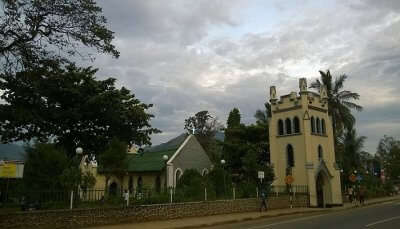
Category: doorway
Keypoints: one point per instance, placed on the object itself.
(320, 190)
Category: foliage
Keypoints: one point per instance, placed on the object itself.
(339, 101)
(190, 186)
(71, 107)
(44, 166)
(36, 30)
(233, 118)
(205, 126)
(112, 160)
(389, 153)
(351, 146)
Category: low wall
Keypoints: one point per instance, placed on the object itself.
(101, 216)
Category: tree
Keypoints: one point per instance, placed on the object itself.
(339, 101)
(44, 166)
(351, 146)
(35, 30)
(205, 126)
(112, 161)
(388, 152)
(262, 116)
(69, 106)
(233, 118)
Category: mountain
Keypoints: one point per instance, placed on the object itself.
(12, 152)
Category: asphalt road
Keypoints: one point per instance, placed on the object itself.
(381, 216)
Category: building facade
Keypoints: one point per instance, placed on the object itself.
(302, 144)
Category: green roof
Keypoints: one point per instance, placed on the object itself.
(148, 161)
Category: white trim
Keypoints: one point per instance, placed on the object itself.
(176, 171)
(204, 172)
(169, 162)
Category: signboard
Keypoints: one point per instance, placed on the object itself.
(289, 179)
(260, 174)
(11, 170)
(352, 178)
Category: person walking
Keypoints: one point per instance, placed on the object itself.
(350, 193)
(362, 193)
(126, 197)
(263, 201)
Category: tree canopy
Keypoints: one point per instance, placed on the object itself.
(69, 106)
(35, 30)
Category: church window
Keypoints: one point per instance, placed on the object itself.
(288, 124)
(130, 184)
(296, 124)
(280, 127)
(318, 126)
(312, 124)
(320, 153)
(290, 156)
(140, 184)
(178, 174)
(323, 126)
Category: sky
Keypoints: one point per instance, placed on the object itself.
(186, 56)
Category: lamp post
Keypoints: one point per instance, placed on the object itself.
(341, 179)
(165, 158)
(223, 168)
(78, 152)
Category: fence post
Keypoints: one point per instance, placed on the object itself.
(71, 200)
(234, 193)
(205, 193)
(170, 195)
(257, 192)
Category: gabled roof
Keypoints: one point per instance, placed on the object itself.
(12, 152)
(151, 160)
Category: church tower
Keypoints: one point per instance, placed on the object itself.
(302, 144)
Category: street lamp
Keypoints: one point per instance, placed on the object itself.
(223, 168)
(165, 158)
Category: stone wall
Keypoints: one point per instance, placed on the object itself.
(101, 216)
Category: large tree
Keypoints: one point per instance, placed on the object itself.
(69, 106)
(340, 101)
(388, 152)
(35, 30)
(351, 145)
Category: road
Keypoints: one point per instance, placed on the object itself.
(381, 216)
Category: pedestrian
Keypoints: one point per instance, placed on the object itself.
(361, 194)
(126, 197)
(350, 193)
(263, 201)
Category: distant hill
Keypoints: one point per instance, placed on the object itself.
(12, 152)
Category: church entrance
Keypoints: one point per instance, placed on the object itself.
(320, 190)
(113, 189)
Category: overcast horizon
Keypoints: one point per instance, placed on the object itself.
(188, 56)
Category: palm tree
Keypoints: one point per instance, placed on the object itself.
(339, 102)
(351, 147)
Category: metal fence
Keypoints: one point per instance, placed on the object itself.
(63, 199)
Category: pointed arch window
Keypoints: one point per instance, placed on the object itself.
(280, 127)
(318, 126)
(320, 153)
(312, 124)
(323, 126)
(288, 124)
(296, 125)
(290, 156)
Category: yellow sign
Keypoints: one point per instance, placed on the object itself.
(8, 171)
(289, 179)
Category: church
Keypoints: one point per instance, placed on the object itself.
(302, 144)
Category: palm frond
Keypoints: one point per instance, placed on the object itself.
(316, 84)
(347, 95)
(339, 83)
(352, 105)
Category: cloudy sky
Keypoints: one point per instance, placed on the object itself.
(186, 56)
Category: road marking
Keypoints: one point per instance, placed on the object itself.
(382, 221)
(284, 222)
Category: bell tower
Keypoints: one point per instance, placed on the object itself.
(302, 144)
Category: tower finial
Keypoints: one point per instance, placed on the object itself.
(272, 94)
(303, 84)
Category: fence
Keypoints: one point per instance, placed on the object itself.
(62, 199)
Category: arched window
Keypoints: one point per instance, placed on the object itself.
(318, 126)
(288, 124)
(323, 126)
(280, 127)
(178, 174)
(139, 184)
(130, 184)
(320, 153)
(290, 156)
(296, 124)
(312, 124)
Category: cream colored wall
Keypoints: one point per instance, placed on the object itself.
(305, 145)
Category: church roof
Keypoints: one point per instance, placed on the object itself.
(151, 160)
